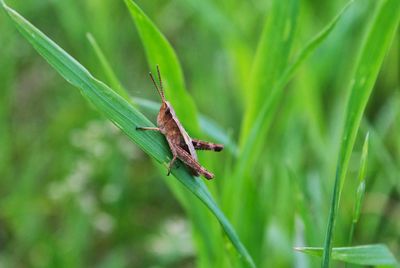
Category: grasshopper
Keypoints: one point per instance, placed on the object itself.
(182, 146)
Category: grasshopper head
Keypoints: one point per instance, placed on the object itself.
(165, 114)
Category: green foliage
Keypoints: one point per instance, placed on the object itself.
(376, 255)
(111, 76)
(159, 51)
(360, 192)
(124, 116)
(268, 79)
(372, 52)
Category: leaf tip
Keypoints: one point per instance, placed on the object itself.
(128, 2)
(132, 5)
(89, 36)
(4, 5)
(367, 137)
(299, 248)
(11, 12)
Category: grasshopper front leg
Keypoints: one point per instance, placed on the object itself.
(205, 145)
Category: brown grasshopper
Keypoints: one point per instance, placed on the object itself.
(181, 144)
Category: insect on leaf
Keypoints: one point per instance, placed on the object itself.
(122, 114)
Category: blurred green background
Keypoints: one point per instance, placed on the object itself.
(75, 192)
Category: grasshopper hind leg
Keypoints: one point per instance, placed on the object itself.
(188, 160)
(205, 145)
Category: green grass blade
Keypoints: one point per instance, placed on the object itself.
(212, 15)
(122, 114)
(361, 255)
(360, 188)
(255, 142)
(101, 96)
(159, 51)
(377, 146)
(309, 48)
(253, 145)
(271, 57)
(377, 41)
(108, 71)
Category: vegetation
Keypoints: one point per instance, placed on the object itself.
(304, 95)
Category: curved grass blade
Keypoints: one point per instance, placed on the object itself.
(360, 188)
(203, 227)
(122, 114)
(8, 69)
(198, 214)
(377, 41)
(211, 15)
(378, 147)
(105, 65)
(159, 51)
(361, 255)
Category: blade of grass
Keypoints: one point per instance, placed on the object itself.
(199, 216)
(382, 154)
(8, 68)
(211, 15)
(254, 144)
(272, 56)
(256, 137)
(206, 233)
(122, 114)
(386, 118)
(361, 255)
(108, 71)
(377, 40)
(159, 51)
(360, 188)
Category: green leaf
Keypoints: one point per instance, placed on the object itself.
(122, 114)
(159, 51)
(361, 255)
(377, 41)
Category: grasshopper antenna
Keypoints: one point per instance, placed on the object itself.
(160, 91)
(159, 79)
